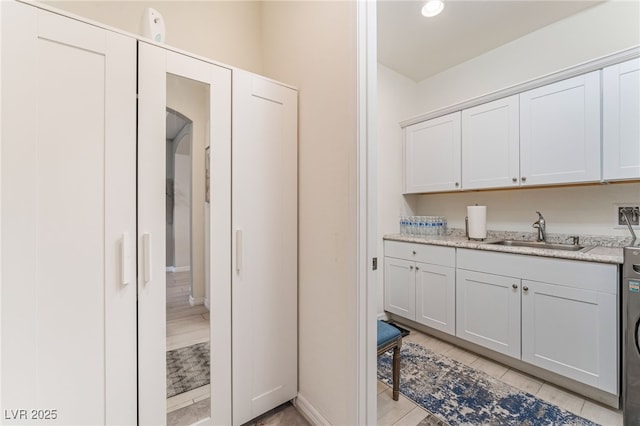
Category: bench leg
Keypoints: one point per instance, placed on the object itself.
(396, 372)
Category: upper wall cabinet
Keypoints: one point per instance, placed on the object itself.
(560, 132)
(620, 122)
(490, 145)
(432, 155)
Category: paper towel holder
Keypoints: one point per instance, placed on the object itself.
(466, 230)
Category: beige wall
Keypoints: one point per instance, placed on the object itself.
(312, 45)
(226, 31)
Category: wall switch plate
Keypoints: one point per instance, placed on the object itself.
(633, 214)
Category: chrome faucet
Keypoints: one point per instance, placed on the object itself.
(541, 225)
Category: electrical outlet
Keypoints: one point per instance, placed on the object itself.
(633, 214)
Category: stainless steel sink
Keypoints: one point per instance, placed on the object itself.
(540, 244)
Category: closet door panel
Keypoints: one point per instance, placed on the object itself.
(152, 344)
(265, 222)
(64, 278)
(158, 69)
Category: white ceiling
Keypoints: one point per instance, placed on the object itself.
(419, 47)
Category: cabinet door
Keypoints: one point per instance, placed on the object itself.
(560, 132)
(572, 332)
(491, 145)
(488, 311)
(432, 155)
(436, 297)
(400, 287)
(201, 92)
(621, 121)
(264, 182)
(68, 201)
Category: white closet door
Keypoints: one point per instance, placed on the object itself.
(265, 245)
(154, 64)
(68, 220)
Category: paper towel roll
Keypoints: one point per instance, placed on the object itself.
(477, 221)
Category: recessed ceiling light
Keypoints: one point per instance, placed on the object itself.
(432, 8)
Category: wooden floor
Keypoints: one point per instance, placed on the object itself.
(186, 325)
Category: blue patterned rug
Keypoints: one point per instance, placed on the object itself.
(462, 395)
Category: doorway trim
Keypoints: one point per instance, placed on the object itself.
(367, 212)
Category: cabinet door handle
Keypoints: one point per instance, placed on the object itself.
(457, 184)
(124, 259)
(525, 288)
(146, 248)
(417, 269)
(524, 178)
(411, 268)
(514, 285)
(238, 250)
(514, 179)
(414, 252)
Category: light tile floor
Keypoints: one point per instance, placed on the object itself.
(405, 411)
(185, 326)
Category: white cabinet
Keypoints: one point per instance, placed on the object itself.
(400, 287)
(560, 132)
(68, 200)
(432, 155)
(568, 312)
(419, 283)
(491, 145)
(265, 251)
(435, 296)
(621, 121)
(571, 331)
(488, 311)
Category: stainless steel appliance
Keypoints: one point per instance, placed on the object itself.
(631, 336)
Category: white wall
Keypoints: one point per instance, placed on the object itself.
(593, 33)
(227, 31)
(397, 100)
(312, 45)
(191, 99)
(182, 210)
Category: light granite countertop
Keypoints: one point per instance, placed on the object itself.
(597, 249)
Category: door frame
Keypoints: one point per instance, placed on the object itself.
(367, 217)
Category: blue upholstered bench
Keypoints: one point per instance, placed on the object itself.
(389, 337)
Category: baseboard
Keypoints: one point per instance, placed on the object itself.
(171, 269)
(309, 412)
(206, 303)
(182, 268)
(193, 301)
(383, 316)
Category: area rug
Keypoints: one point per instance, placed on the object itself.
(187, 368)
(462, 395)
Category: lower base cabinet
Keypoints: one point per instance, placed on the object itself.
(560, 315)
(556, 314)
(488, 311)
(419, 284)
(572, 332)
